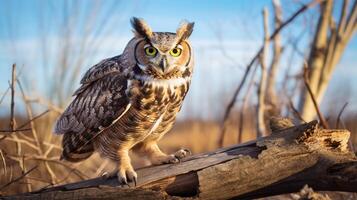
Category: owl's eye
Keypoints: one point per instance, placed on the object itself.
(150, 51)
(175, 52)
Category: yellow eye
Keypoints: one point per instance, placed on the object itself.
(175, 52)
(150, 51)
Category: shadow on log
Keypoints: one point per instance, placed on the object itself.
(280, 163)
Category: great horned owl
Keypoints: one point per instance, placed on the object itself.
(128, 102)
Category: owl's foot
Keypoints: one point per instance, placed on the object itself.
(182, 153)
(125, 176)
(172, 158)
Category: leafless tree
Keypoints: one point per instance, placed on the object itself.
(329, 43)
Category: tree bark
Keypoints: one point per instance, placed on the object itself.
(316, 60)
(281, 163)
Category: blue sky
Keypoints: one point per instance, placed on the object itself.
(221, 27)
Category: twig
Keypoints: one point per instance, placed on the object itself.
(339, 115)
(15, 130)
(301, 10)
(12, 105)
(37, 179)
(232, 102)
(4, 162)
(60, 181)
(18, 140)
(67, 176)
(307, 85)
(29, 184)
(33, 119)
(18, 178)
(28, 142)
(223, 50)
(249, 66)
(244, 105)
(4, 95)
(45, 102)
(54, 160)
(101, 167)
(34, 133)
(295, 111)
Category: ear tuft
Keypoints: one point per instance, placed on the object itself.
(141, 28)
(184, 30)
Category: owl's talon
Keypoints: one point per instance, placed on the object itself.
(105, 174)
(126, 176)
(131, 176)
(169, 159)
(182, 153)
(108, 175)
(135, 181)
(174, 160)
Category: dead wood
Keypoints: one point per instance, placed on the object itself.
(281, 163)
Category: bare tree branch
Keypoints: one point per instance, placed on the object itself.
(261, 127)
(12, 105)
(327, 49)
(249, 66)
(271, 99)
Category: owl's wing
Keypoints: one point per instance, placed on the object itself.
(98, 71)
(100, 100)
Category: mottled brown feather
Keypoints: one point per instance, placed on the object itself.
(93, 108)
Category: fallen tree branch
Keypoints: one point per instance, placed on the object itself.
(281, 163)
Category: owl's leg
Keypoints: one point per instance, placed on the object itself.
(125, 171)
(157, 157)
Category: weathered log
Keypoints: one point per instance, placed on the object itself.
(281, 163)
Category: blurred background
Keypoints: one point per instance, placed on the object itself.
(53, 43)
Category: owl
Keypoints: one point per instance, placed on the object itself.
(128, 102)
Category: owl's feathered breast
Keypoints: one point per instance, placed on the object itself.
(153, 108)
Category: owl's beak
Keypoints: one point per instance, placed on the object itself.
(163, 64)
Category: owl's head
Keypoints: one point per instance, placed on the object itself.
(163, 55)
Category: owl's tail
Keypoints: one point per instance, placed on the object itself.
(74, 149)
